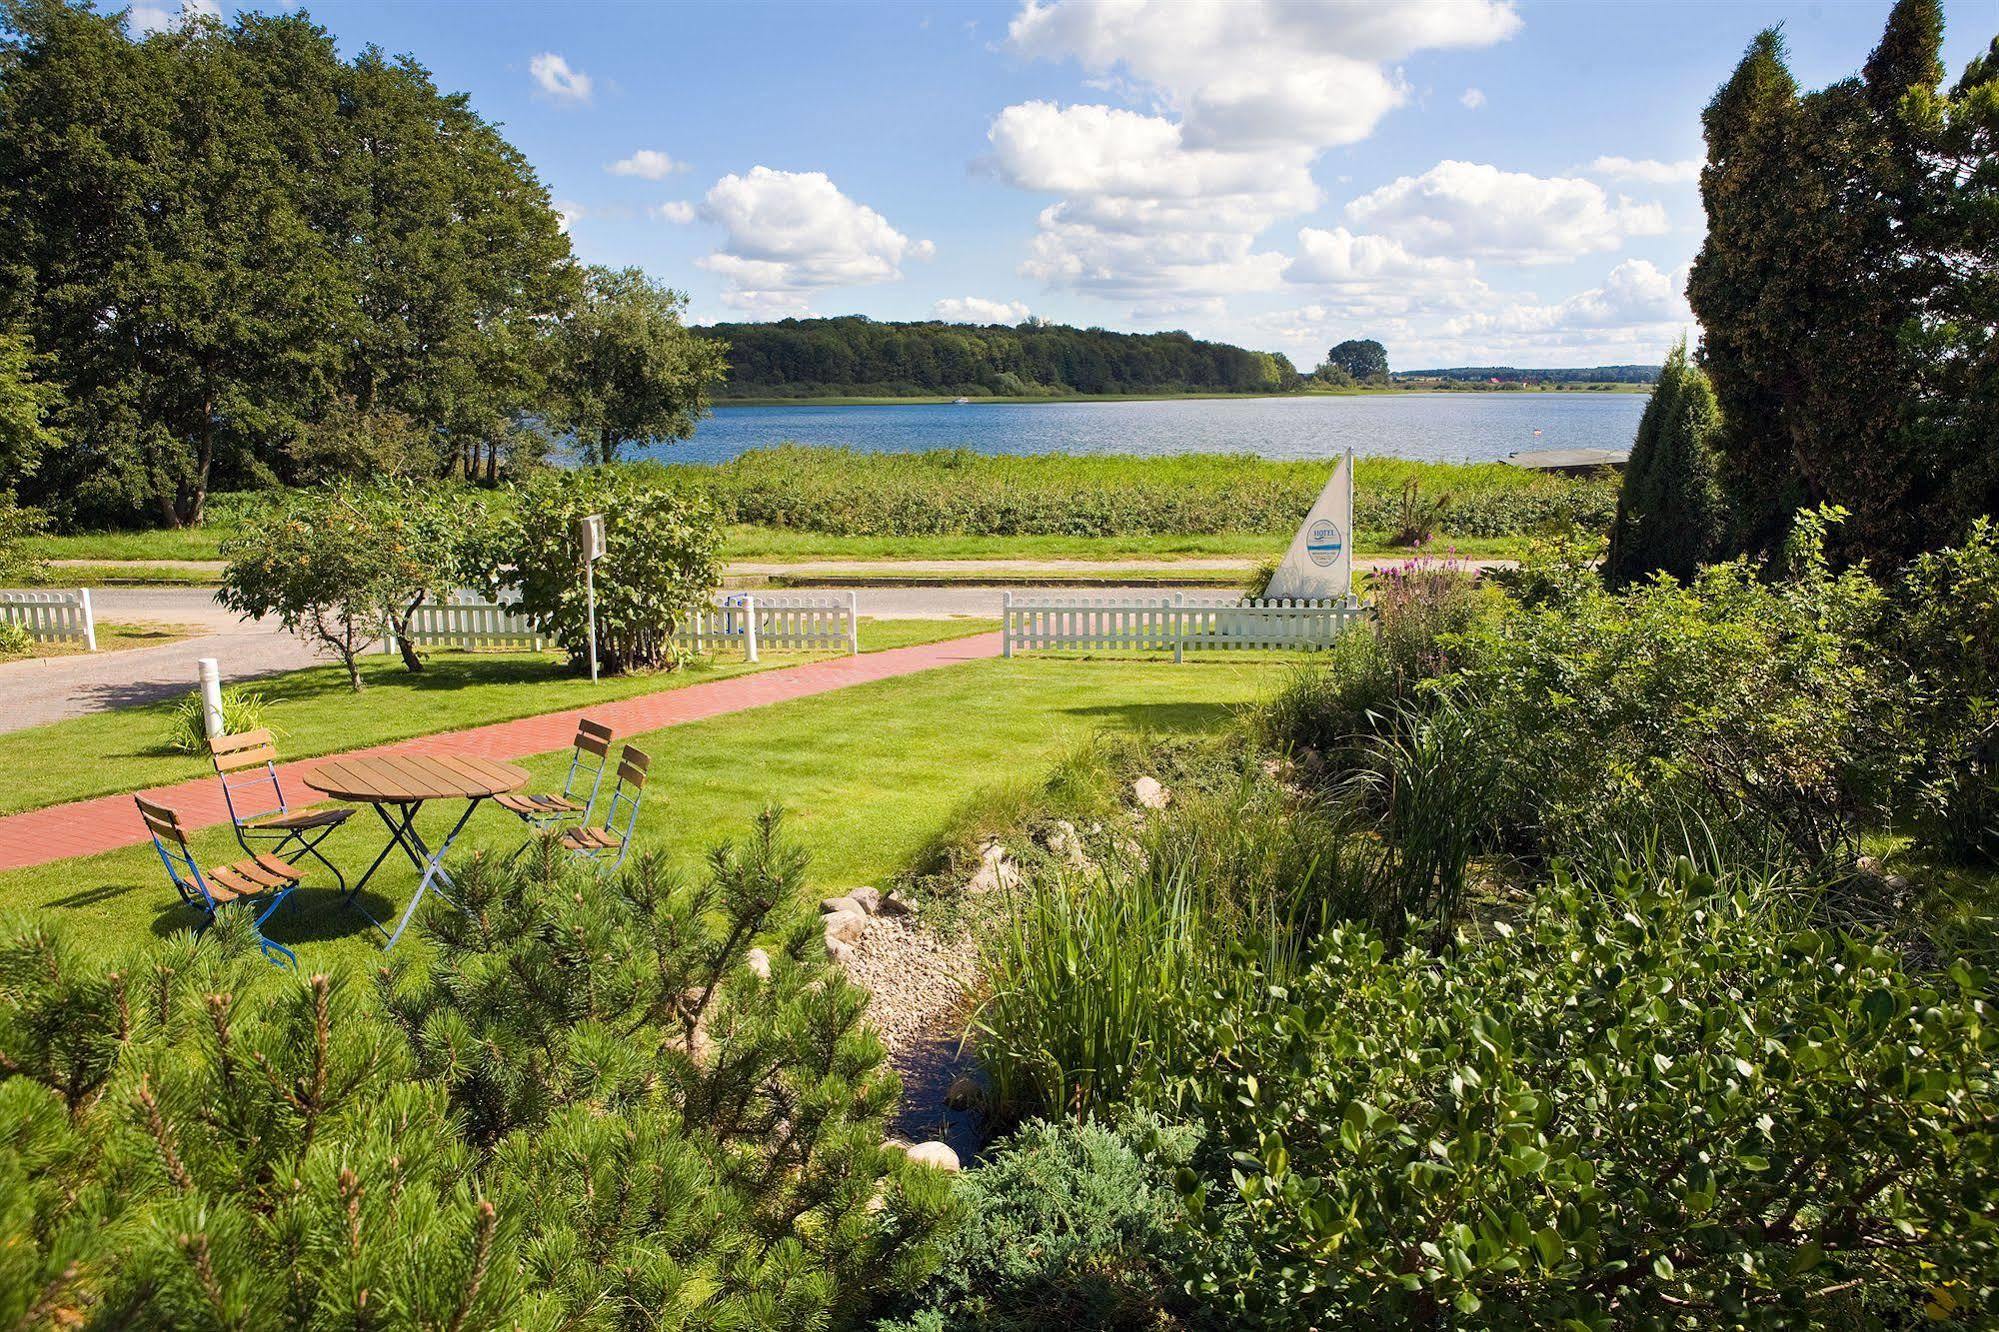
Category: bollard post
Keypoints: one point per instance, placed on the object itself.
(211, 697)
(750, 625)
(89, 620)
(1006, 625)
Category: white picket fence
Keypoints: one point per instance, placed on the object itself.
(1175, 623)
(53, 617)
(746, 620)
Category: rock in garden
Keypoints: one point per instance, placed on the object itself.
(895, 904)
(758, 961)
(964, 1093)
(870, 899)
(1150, 794)
(846, 926)
(1870, 865)
(839, 950)
(832, 905)
(996, 870)
(935, 1154)
(1065, 844)
(895, 1144)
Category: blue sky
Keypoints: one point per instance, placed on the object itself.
(1468, 180)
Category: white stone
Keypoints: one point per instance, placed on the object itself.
(846, 926)
(869, 899)
(934, 1154)
(758, 961)
(1150, 794)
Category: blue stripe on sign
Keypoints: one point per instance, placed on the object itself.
(1334, 546)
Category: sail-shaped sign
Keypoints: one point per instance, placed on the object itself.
(1319, 564)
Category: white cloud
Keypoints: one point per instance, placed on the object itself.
(1635, 313)
(568, 212)
(791, 233)
(646, 164)
(1646, 170)
(979, 310)
(148, 19)
(1472, 99)
(674, 211)
(1470, 210)
(555, 78)
(1339, 256)
(1165, 204)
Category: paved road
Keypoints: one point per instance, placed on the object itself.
(54, 688)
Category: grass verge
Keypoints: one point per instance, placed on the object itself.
(114, 636)
(315, 713)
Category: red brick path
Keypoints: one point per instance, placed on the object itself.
(105, 823)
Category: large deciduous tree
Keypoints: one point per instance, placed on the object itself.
(212, 233)
(1848, 290)
(627, 369)
(1363, 358)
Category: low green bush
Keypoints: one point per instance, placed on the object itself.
(583, 1109)
(15, 640)
(1662, 1101)
(1066, 1224)
(660, 564)
(1944, 631)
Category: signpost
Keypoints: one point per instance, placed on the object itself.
(590, 537)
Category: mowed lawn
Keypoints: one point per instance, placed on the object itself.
(866, 773)
(314, 712)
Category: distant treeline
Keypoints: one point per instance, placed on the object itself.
(1592, 374)
(856, 356)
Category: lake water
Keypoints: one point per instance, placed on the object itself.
(1437, 427)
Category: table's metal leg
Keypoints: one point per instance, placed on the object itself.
(433, 869)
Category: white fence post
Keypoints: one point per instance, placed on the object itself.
(89, 620)
(853, 624)
(1006, 626)
(1176, 623)
(1179, 627)
(749, 626)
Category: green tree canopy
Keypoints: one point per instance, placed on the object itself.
(1363, 358)
(213, 232)
(1846, 291)
(627, 370)
(1669, 511)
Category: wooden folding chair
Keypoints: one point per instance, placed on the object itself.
(258, 879)
(541, 812)
(248, 767)
(608, 839)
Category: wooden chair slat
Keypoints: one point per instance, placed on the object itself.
(238, 760)
(284, 869)
(593, 737)
(226, 885)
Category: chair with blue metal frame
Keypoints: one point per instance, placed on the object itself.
(252, 882)
(608, 839)
(247, 764)
(591, 754)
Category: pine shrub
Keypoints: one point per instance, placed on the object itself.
(1670, 514)
(583, 1110)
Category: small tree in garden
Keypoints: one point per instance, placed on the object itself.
(340, 568)
(1670, 512)
(659, 566)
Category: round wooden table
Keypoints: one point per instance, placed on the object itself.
(403, 783)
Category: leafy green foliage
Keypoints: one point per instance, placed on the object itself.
(856, 355)
(1944, 629)
(17, 525)
(192, 1138)
(1362, 360)
(15, 640)
(1066, 1224)
(27, 404)
(627, 370)
(659, 566)
(341, 567)
(1661, 1101)
(1852, 226)
(1670, 514)
(213, 233)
